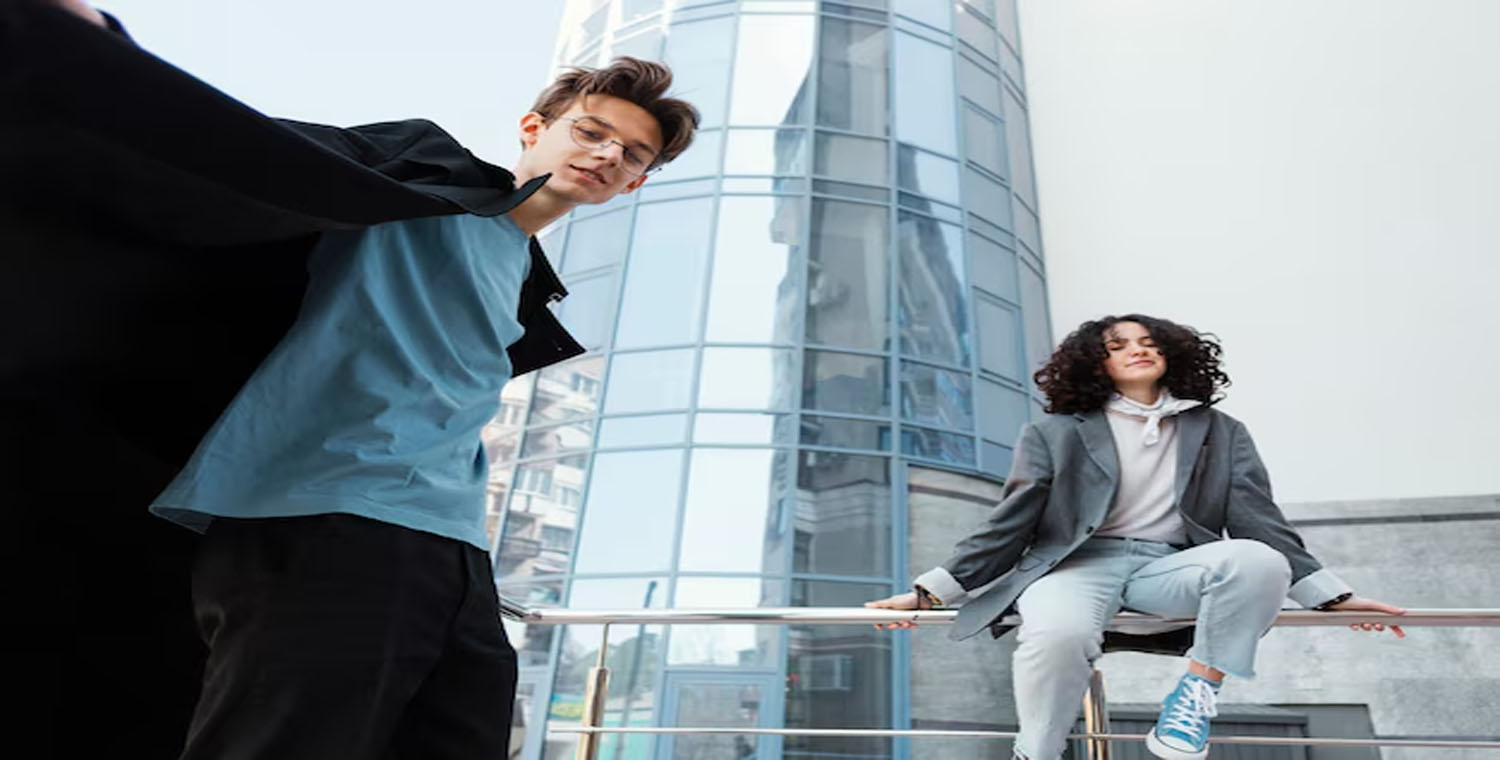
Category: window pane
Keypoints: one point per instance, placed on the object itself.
(501, 436)
(631, 10)
(731, 645)
(924, 173)
(984, 142)
(728, 427)
(771, 68)
(846, 433)
(835, 382)
(838, 676)
(552, 242)
(533, 643)
(558, 439)
(588, 310)
(649, 430)
(597, 241)
(1034, 317)
(842, 521)
(746, 378)
(851, 76)
(932, 303)
(649, 381)
(926, 11)
(646, 45)
(698, 54)
(999, 340)
(1028, 229)
(567, 391)
(701, 159)
(766, 151)
(980, 86)
(992, 267)
(847, 275)
(936, 396)
(634, 494)
(997, 460)
(1005, 19)
(663, 298)
(853, 159)
(1002, 412)
(976, 33)
(1018, 140)
(737, 511)
(935, 444)
(541, 519)
(986, 197)
(757, 253)
(924, 94)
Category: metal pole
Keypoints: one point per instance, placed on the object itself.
(593, 703)
(1096, 717)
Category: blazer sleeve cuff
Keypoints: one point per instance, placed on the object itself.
(941, 584)
(1316, 588)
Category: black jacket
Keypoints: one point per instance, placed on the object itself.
(154, 231)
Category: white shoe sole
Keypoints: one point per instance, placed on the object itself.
(1161, 750)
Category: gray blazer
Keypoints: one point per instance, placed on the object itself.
(1062, 482)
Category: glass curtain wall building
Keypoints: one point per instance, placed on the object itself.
(808, 329)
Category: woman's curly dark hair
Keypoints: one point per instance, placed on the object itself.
(1075, 379)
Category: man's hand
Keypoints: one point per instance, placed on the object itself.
(906, 601)
(1360, 604)
(81, 9)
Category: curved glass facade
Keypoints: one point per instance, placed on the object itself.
(831, 300)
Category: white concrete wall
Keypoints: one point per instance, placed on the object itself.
(1316, 182)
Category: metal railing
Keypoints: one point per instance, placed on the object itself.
(1096, 735)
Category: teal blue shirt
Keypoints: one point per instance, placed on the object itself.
(373, 402)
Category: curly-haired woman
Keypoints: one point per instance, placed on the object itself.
(1122, 497)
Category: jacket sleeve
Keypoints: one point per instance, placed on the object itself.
(997, 544)
(1253, 514)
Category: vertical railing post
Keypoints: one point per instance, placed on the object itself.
(594, 695)
(1096, 717)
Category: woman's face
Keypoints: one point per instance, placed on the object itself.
(1134, 359)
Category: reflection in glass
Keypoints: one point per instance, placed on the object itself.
(502, 434)
(634, 494)
(922, 172)
(999, 339)
(984, 142)
(772, 62)
(646, 46)
(1002, 412)
(649, 381)
(753, 292)
(976, 32)
(997, 459)
(733, 427)
(1018, 140)
(766, 151)
(567, 391)
(647, 430)
(851, 190)
(718, 645)
(842, 522)
(926, 11)
(837, 676)
(851, 76)
(552, 241)
(924, 94)
(851, 159)
(932, 300)
(664, 282)
(558, 439)
(979, 86)
(934, 444)
(633, 658)
(986, 197)
(597, 241)
(588, 311)
(1034, 317)
(746, 378)
(847, 270)
(701, 159)
(736, 512)
(533, 643)
(707, 702)
(542, 518)
(845, 433)
(835, 382)
(698, 54)
(936, 396)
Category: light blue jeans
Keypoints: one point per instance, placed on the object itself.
(1234, 588)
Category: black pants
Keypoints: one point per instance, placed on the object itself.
(334, 636)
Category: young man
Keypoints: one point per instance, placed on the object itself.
(343, 585)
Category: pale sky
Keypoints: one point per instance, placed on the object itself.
(1316, 181)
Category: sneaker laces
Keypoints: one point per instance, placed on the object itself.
(1190, 709)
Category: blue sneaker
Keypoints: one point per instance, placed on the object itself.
(1181, 733)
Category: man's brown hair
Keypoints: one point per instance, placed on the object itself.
(640, 82)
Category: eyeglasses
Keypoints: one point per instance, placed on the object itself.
(593, 133)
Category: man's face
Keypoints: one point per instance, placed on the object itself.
(598, 148)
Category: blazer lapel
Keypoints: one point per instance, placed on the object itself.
(1192, 426)
(1100, 442)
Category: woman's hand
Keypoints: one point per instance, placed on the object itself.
(1361, 604)
(907, 601)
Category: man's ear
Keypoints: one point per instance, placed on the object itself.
(530, 129)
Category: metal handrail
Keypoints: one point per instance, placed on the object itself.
(1096, 712)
